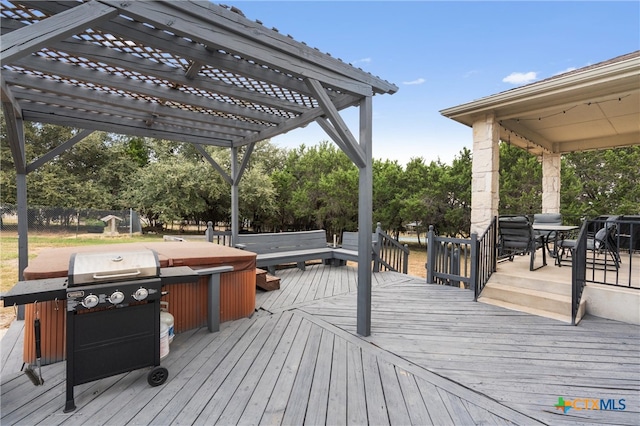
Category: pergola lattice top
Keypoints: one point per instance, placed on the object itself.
(187, 71)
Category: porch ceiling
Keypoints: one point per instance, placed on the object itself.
(595, 107)
(178, 70)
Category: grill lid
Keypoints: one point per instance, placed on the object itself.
(101, 267)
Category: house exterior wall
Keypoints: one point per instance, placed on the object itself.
(611, 302)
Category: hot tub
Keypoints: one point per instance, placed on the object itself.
(187, 301)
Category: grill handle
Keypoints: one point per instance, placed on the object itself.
(125, 274)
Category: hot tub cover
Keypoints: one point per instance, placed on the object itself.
(54, 262)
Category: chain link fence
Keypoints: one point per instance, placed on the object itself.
(64, 220)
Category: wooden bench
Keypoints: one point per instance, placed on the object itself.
(349, 247)
(516, 237)
(286, 247)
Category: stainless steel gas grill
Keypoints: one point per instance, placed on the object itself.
(113, 317)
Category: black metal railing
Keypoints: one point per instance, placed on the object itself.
(451, 261)
(578, 272)
(604, 253)
(389, 254)
(611, 249)
(487, 256)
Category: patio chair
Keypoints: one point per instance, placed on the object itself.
(516, 237)
(604, 242)
(547, 219)
(548, 236)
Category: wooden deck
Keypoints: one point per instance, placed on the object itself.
(434, 357)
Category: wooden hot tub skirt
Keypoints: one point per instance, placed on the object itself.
(187, 304)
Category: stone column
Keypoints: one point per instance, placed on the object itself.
(551, 183)
(485, 178)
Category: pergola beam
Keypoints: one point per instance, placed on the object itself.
(58, 150)
(8, 100)
(354, 155)
(23, 42)
(54, 93)
(214, 164)
(340, 128)
(208, 29)
(122, 125)
(294, 123)
(173, 75)
(154, 91)
(15, 137)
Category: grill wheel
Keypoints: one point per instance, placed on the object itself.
(157, 376)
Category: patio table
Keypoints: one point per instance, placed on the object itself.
(559, 233)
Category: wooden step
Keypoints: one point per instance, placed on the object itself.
(266, 281)
(542, 303)
(261, 278)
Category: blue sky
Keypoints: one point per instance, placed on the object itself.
(442, 54)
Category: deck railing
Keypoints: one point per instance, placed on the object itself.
(487, 256)
(602, 264)
(389, 254)
(452, 261)
(218, 237)
(578, 272)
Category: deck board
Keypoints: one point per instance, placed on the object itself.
(319, 393)
(434, 357)
(442, 329)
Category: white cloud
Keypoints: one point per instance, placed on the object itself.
(414, 82)
(520, 77)
(363, 61)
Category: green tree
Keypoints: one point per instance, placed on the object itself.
(388, 195)
(257, 198)
(168, 190)
(413, 193)
(456, 188)
(608, 180)
(338, 208)
(520, 181)
(308, 200)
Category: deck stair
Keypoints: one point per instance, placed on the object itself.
(530, 294)
(266, 281)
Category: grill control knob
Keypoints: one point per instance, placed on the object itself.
(116, 298)
(141, 294)
(91, 301)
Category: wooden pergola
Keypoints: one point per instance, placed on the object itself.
(184, 71)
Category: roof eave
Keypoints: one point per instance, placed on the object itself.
(624, 74)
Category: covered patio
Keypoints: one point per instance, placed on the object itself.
(590, 108)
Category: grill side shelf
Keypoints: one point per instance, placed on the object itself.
(25, 292)
(178, 275)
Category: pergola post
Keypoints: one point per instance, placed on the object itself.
(15, 136)
(485, 180)
(234, 195)
(365, 219)
(551, 165)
